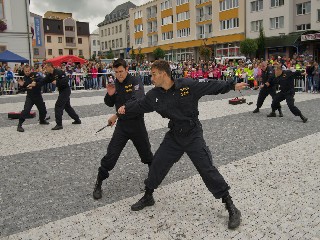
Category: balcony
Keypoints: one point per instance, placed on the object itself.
(202, 1)
(204, 17)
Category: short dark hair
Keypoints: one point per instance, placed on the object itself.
(119, 62)
(162, 66)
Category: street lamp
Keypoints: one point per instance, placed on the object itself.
(229, 44)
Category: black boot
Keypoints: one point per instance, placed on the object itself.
(77, 121)
(20, 128)
(57, 127)
(97, 192)
(234, 213)
(145, 201)
(272, 114)
(304, 119)
(44, 122)
(280, 113)
(256, 110)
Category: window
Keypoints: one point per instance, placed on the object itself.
(185, 32)
(110, 44)
(1, 10)
(94, 43)
(183, 16)
(113, 44)
(98, 42)
(80, 52)
(318, 15)
(137, 15)
(303, 27)
(112, 30)
(277, 3)
(138, 28)
(79, 40)
(166, 5)
(95, 52)
(105, 32)
(49, 51)
(228, 4)
(303, 8)
(102, 45)
(256, 5)
(36, 51)
(256, 25)
(69, 28)
(167, 20)
(121, 42)
(116, 29)
(120, 28)
(277, 22)
(138, 41)
(101, 33)
(117, 43)
(167, 35)
(59, 39)
(70, 51)
(229, 24)
(106, 44)
(60, 52)
(69, 40)
(108, 31)
(48, 39)
(180, 2)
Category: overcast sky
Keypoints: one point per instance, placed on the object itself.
(92, 11)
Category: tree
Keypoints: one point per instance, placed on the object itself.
(261, 43)
(159, 53)
(110, 54)
(93, 57)
(133, 54)
(205, 52)
(81, 56)
(248, 47)
(140, 56)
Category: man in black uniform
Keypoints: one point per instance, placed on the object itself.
(267, 87)
(178, 100)
(286, 81)
(129, 127)
(34, 97)
(59, 78)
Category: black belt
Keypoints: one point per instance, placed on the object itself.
(183, 126)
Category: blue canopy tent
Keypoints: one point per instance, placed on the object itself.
(8, 56)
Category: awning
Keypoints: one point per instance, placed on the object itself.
(291, 39)
(8, 56)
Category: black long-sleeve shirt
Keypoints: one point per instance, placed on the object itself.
(180, 102)
(130, 89)
(268, 76)
(59, 76)
(33, 77)
(286, 80)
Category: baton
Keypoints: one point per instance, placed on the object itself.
(103, 128)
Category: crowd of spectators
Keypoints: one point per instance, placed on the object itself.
(95, 75)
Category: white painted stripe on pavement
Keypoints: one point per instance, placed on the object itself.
(39, 137)
(277, 192)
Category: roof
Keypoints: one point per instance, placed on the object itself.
(291, 39)
(8, 56)
(119, 13)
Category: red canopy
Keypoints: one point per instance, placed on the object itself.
(57, 61)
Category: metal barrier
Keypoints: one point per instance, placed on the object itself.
(300, 83)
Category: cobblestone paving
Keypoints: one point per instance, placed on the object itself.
(271, 164)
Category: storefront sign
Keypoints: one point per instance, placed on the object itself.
(308, 37)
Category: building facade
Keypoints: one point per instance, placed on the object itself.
(284, 22)
(180, 27)
(17, 38)
(66, 37)
(95, 43)
(115, 32)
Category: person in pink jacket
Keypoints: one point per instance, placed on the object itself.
(94, 72)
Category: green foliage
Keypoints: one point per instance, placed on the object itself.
(205, 52)
(110, 54)
(261, 43)
(133, 54)
(248, 47)
(159, 53)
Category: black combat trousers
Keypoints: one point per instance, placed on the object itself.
(30, 101)
(264, 92)
(131, 129)
(63, 103)
(289, 97)
(177, 142)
